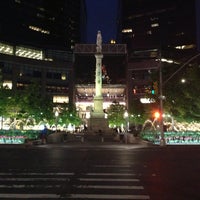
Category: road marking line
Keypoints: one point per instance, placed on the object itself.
(77, 186)
(33, 173)
(29, 186)
(123, 187)
(109, 179)
(107, 196)
(72, 196)
(25, 196)
(110, 174)
(34, 179)
(115, 166)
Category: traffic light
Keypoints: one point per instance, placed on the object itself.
(154, 88)
(156, 115)
(134, 91)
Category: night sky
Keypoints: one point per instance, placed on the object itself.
(101, 15)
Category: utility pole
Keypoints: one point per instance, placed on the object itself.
(161, 97)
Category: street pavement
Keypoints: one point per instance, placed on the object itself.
(99, 170)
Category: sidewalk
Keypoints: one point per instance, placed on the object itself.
(80, 139)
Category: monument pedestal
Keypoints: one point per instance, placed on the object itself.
(98, 123)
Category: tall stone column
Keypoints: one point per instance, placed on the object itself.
(98, 98)
(97, 120)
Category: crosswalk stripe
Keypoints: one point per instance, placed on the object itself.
(107, 196)
(65, 179)
(128, 187)
(33, 179)
(25, 196)
(109, 179)
(38, 173)
(94, 182)
(113, 166)
(110, 174)
(21, 186)
(72, 196)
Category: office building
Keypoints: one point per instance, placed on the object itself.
(36, 44)
(49, 24)
(155, 30)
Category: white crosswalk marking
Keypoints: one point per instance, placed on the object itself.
(75, 196)
(108, 196)
(34, 173)
(25, 196)
(111, 174)
(110, 179)
(56, 185)
(121, 187)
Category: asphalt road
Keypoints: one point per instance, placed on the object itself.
(99, 171)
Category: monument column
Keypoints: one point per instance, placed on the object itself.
(97, 120)
(98, 98)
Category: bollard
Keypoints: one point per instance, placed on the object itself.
(82, 139)
(102, 139)
(126, 138)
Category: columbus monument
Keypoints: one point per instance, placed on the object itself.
(98, 122)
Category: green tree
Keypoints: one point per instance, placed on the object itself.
(11, 105)
(69, 115)
(183, 97)
(5, 94)
(37, 105)
(116, 114)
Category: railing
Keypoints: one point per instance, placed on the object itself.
(106, 49)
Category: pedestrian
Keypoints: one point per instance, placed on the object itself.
(44, 135)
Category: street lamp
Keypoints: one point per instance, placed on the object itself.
(56, 115)
(126, 118)
(127, 125)
(161, 97)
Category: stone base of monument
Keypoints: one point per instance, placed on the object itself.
(98, 124)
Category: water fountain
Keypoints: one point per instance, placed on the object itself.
(175, 132)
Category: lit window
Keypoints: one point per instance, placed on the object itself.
(29, 53)
(60, 99)
(112, 41)
(190, 46)
(7, 84)
(39, 29)
(6, 49)
(128, 30)
(155, 25)
(63, 77)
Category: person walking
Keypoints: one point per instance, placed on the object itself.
(44, 135)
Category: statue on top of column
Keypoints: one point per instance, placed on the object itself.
(99, 42)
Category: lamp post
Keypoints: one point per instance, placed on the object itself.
(56, 115)
(127, 125)
(161, 97)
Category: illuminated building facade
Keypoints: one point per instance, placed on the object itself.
(21, 66)
(36, 44)
(43, 24)
(168, 24)
(85, 94)
(150, 27)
